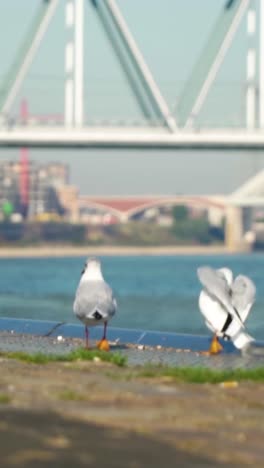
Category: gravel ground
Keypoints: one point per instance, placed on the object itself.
(135, 354)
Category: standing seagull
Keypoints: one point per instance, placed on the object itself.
(94, 302)
(225, 304)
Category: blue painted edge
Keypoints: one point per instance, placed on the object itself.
(123, 335)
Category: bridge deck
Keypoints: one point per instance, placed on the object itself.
(124, 137)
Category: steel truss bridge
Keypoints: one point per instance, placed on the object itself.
(164, 128)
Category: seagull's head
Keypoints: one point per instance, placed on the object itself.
(92, 270)
(227, 275)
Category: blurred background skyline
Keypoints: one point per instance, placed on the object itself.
(171, 36)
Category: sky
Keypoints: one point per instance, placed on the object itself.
(171, 35)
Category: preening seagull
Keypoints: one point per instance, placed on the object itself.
(225, 304)
(94, 301)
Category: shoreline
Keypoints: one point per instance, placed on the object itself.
(72, 251)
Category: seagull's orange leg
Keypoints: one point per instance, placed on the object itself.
(215, 346)
(103, 344)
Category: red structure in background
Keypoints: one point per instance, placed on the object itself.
(24, 165)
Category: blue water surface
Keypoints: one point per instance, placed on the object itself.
(153, 293)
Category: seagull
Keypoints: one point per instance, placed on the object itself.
(94, 301)
(225, 303)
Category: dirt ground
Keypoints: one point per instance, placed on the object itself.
(96, 415)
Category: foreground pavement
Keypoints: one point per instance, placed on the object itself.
(94, 414)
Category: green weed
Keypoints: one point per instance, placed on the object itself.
(79, 354)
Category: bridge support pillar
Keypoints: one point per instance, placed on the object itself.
(234, 230)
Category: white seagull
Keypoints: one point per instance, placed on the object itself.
(94, 301)
(225, 304)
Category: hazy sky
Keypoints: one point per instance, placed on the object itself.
(171, 35)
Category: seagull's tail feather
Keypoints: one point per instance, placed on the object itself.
(242, 340)
(97, 314)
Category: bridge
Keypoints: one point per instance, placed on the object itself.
(130, 138)
(124, 208)
(232, 207)
(162, 126)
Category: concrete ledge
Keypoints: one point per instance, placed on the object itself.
(123, 335)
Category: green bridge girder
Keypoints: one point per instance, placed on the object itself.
(194, 84)
(22, 52)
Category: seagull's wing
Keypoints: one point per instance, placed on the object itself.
(216, 285)
(243, 295)
(94, 295)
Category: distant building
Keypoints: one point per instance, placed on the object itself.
(9, 185)
(32, 188)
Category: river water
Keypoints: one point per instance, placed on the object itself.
(153, 293)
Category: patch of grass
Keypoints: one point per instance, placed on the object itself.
(89, 355)
(203, 374)
(198, 375)
(180, 374)
(70, 395)
(78, 354)
(37, 358)
(4, 398)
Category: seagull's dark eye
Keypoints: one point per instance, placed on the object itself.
(82, 271)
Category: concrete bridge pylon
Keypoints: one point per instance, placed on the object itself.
(234, 229)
